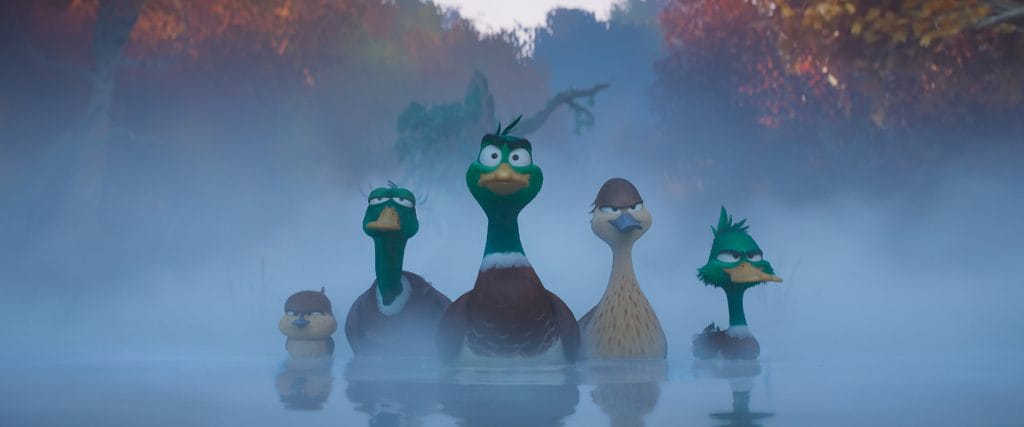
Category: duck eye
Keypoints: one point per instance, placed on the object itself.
(316, 313)
(404, 202)
(519, 158)
(609, 209)
(636, 207)
(755, 256)
(728, 256)
(378, 200)
(490, 156)
(290, 313)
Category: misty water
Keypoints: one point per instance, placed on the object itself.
(230, 190)
(885, 318)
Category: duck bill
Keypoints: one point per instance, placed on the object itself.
(386, 221)
(504, 181)
(747, 273)
(626, 223)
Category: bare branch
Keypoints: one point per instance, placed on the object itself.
(568, 98)
(1002, 11)
(153, 64)
(75, 69)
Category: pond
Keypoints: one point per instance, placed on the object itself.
(203, 389)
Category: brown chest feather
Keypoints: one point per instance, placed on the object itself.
(510, 314)
(407, 333)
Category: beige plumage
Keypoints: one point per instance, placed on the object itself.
(623, 324)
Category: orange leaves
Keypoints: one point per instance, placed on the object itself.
(901, 61)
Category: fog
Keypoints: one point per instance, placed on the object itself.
(899, 303)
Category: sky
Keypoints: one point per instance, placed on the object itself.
(493, 15)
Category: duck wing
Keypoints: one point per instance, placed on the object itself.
(568, 329)
(426, 299)
(355, 330)
(586, 318)
(451, 331)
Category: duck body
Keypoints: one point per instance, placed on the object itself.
(406, 328)
(508, 317)
(623, 325)
(398, 315)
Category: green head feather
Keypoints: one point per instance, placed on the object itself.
(402, 201)
(497, 149)
(731, 247)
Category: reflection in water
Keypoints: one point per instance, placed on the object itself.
(626, 390)
(305, 382)
(740, 375)
(392, 392)
(535, 397)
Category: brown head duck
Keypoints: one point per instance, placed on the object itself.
(623, 324)
(308, 322)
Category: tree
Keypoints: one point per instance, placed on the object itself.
(885, 62)
(115, 22)
(434, 142)
(283, 37)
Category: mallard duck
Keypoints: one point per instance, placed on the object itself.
(308, 322)
(390, 396)
(398, 314)
(508, 316)
(623, 324)
(736, 264)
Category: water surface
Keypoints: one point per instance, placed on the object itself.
(206, 388)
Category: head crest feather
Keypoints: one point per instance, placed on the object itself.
(510, 126)
(725, 224)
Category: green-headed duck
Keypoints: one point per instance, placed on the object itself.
(398, 315)
(508, 316)
(736, 263)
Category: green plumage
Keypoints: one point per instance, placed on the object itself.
(389, 245)
(732, 247)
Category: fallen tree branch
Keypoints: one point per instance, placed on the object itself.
(1002, 11)
(74, 69)
(568, 98)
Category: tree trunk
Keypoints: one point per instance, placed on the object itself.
(89, 140)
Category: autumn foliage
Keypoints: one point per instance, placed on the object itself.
(886, 62)
(288, 34)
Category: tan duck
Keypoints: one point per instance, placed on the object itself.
(308, 322)
(623, 324)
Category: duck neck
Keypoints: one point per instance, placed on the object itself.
(735, 299)
(503, 232)
(622, 266)
(389, 253)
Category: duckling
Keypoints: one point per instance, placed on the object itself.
(508, 316)
(305, 383)
(736, 264)
(623, 324)
(399, 313)
(308, 322)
